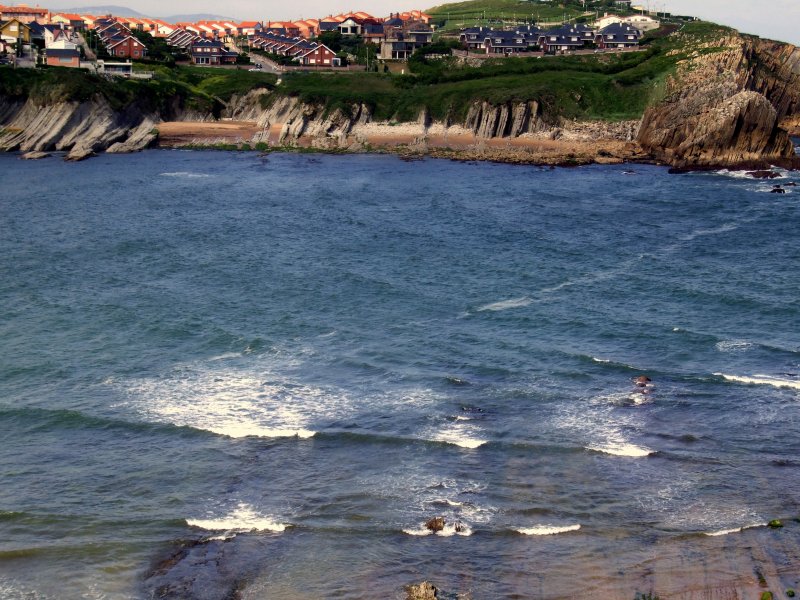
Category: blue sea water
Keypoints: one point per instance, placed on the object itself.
(225, 373)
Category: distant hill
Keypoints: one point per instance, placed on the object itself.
(123, 11)
(119, 11)
(197, 17)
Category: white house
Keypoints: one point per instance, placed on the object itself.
(643, 22)
(607, 20)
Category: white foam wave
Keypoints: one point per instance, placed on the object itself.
(622, 449)
(229, 401)
(733, 345)
(226, 356)
(600, 360)
(446, 501)
(734, 530)
(450, 529)
(713, 231)
(762, 380)
(464, 443)
(459, 432)
(547, 529)
(506, 304)
(241, 520)
(186, 175)
(736, 174)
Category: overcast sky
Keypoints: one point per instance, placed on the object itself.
(777, 19)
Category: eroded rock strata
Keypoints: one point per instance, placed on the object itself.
(725, 108)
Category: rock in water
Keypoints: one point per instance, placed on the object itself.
(435, 524)
(422, 591)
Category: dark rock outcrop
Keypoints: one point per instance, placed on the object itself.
(725, 108)
(435, 524)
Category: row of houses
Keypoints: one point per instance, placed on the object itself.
(353, 23)
(119, 40)
(562, 39)
(301, 50)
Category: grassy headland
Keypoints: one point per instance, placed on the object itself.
(607, 87)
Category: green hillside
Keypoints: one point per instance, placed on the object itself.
(608, 87)
(491, 12)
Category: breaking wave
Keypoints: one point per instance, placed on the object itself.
(547, 529)
(762, 380)
(242, 519)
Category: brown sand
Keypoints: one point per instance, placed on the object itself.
(184, 133)
(412, 140)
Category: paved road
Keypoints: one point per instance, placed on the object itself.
(266, 65)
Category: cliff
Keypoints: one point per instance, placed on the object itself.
(80, 128)
(726, 105)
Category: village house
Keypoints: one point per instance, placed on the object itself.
(24, 14)
(69, 21)
(211, 52)
(401, 44)
(643, 22)
(619, 36)
(63, 57)
(317, 56)
(15, 32)
(180, 38)
(126, 46)
(249, 28)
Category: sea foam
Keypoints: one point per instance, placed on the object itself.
(762, 380)
(734, 530)
(234, 402)
(450, 529)
(241, 520)
(547, 529)
(505, 304)
(186, 175)
(622, 449)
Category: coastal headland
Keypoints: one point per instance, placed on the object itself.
(702, 96)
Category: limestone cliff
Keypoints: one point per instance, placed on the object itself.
(725, 105)
(80, 128)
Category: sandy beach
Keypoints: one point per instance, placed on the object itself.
(562, 147)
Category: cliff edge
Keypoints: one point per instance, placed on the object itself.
(727, 104)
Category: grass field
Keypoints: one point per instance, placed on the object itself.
(492, 12)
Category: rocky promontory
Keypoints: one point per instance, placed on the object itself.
(727, 105)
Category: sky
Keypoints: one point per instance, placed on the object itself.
(775, 19)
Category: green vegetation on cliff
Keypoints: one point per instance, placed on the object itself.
(201, 89)
(605, 86)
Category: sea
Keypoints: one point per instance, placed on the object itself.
(233, 375)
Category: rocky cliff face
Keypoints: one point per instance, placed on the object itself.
(726, 107)
(80, 128)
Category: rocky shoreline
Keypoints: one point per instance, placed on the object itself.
(732, 104)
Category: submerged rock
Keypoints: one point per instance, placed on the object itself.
(764, 174)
